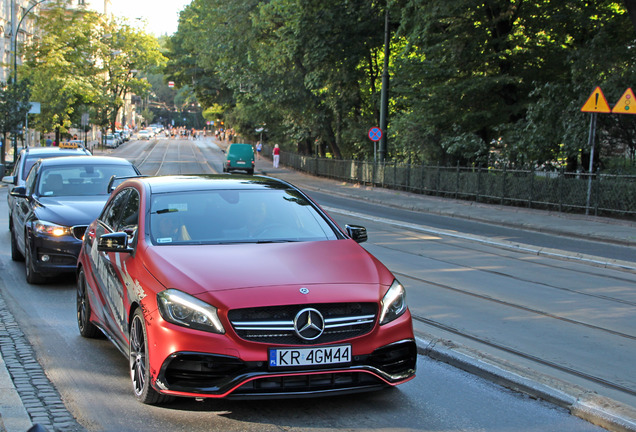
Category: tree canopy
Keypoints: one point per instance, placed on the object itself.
(84, 62)
(472, 82)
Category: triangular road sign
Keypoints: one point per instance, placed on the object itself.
(596, 103)
(626, 104)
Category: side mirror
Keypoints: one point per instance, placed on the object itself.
(9, 179)
(115, 242)
(19, 192)
(357, 233)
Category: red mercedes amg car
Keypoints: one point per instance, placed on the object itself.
(239, 287)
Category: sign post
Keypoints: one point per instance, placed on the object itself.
(375, 135)
(595, 104)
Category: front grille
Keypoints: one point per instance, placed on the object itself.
(309, 385)
(275, 325)
(78, 231)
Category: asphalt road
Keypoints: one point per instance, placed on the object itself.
(566, 312)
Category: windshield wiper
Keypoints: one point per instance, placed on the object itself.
(167, 210)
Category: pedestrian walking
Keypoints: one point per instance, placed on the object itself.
(276, 156)
(259, 148)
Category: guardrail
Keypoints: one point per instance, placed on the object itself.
(611, 195)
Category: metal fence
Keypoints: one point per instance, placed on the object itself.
(597, 194)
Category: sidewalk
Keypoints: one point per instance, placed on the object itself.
(14, 418)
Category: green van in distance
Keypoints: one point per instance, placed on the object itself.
(239, 157)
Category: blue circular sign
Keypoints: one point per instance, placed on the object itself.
(375, 134)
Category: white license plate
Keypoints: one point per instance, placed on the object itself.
(290, 357)
(241, 162)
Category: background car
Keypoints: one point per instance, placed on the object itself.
(239, 287)
(52, 210)
(28, 157)
(110, 141)
(145, 134)
(239, 157)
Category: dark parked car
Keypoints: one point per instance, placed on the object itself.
(28, 157)
(52, 210)
(239, 157)
(239, 287)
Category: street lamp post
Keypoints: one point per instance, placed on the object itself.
(15, 58)
(15, 39)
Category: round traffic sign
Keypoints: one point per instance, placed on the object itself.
(375, 134)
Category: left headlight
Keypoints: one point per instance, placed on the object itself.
(185, 310)
(51, 229)
(393, 303)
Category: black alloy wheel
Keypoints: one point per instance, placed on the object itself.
(139, 364)
(86, 327)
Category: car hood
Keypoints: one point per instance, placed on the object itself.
(209, 268)
(70, 211)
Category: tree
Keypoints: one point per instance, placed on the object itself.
(302, 67)
(14, 106)
(84, 60)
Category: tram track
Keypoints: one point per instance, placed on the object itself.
(523, 355)
(517, 260)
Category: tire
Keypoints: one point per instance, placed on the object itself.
(32, 276)
(139, 364)
(16, 255)
(86, 328)
(250, 172)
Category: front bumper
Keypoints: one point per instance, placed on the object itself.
(55, 254)
(209, 375)
(191, 363)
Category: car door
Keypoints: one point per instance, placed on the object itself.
(114, 273)
(15, 174)
(104, 268)
(23, 208)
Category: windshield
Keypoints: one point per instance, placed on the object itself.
(236, 216)
(80, 180)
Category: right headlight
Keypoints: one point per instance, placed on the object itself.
(393, 303)
(185, 310)
(51, 229)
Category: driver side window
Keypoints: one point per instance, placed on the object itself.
(32, 178)
(129, 218)
(110, 215)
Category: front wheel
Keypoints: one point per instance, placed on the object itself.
(139, 364)
(32, 276)
(16, 255)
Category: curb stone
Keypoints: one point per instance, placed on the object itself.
(597, 410)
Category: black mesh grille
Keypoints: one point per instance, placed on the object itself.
(274, 325)
(308, 384)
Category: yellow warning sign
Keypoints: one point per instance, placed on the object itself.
(626, 104)
(596, 102)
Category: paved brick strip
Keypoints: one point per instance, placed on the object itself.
(39, 397)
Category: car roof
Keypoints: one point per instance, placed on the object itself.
(85, 160)
(38, 152)
(184, 183)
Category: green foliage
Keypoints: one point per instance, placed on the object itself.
(496, 82)
(14, 106)
(84, 60)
